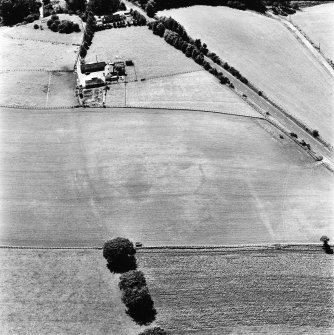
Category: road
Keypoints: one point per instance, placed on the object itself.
(138, 9)
(264, 106)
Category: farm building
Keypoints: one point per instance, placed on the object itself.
(93, 67)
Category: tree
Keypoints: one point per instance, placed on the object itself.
(151, 8)
(76, 5)
(14, 11)
(101, 7)
(132, 279)
(139, 305)
(154, 331)
(159, 29)
(189, 50)
(315, 133)
(119, 254)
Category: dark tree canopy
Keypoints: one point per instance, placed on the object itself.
(139, 305)
(132, 279)
(76, 5)
(14, 11)
(101, 7)
(119, 253)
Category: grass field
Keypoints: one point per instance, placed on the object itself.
(76, 177)
(270, 56)
(151, 55)
(27, 54)
(72, 292)
(197, 90)
(37, 89)
(317, 22)
(60, 292)
(27, 31)
(242, 293)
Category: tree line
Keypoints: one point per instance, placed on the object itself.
(175, 34)
(120, 255)
(153, 6)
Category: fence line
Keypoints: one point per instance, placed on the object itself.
(38, 40)
(37, 70)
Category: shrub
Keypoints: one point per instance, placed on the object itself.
(132, 279)
(207, 66)
(54, 17)
(294, 135)
(315, 133)
(76, 27)
(154, 331)
(83, 52)
(49, 23)
(119, 254)
(31, 18)
(54, 27)
(36, 26)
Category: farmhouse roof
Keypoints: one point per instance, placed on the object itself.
(93, 67)
(95, 82)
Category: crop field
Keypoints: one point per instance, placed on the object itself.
(72, 292)
(37, 89)
(151, 55)
(28, 32)
(241, 293)
(18, 54)
(196, 90)
(60, 292)
(76, 177)
(268, 55)
(317, 22)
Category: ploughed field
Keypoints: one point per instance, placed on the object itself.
(269, 292)
(268, 55)
(60, 292)
(78, 177)
(317, 22)
(194, 292)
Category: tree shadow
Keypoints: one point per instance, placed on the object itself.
(122, 264)
(143, 316)
(327, 248)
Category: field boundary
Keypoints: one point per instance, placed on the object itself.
(37, 40)
(90, 109)
(165, 76)
(35, 70)
(193, 248)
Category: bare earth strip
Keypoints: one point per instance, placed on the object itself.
(317, 22)
(267, 54)
(76, 177)
(72, 292)
(197, 90)
(242, 293)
